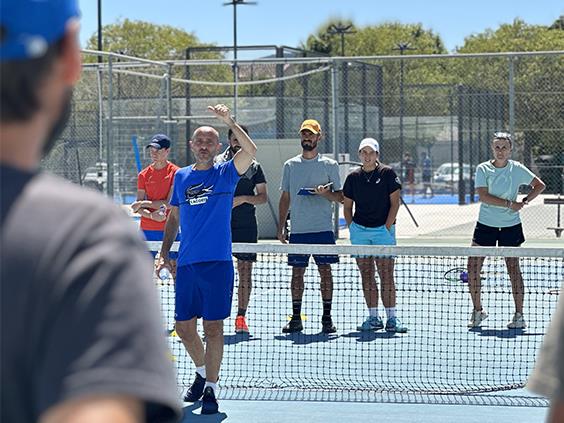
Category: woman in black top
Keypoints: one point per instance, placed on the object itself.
(374, 189)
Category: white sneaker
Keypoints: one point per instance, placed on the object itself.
(477, 317)
(517, 322)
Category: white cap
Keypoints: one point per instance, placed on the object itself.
(369, 142)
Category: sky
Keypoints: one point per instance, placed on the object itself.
(289, 22)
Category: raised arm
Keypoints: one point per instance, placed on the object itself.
(244, 157)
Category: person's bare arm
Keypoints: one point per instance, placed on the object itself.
(326, 192)
(245, 156)
(537, 186)
(141, 206)
(170, 232)
(556, 412)
(259, 198)
(96, 409)
(283, 207)
(486, 197)
(348, 210)
(394, 208)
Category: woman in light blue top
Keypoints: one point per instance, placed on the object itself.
(497, 183)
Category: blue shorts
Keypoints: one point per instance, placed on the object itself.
(302, 260)
(380, 235)
(158, 236)
(204, 290)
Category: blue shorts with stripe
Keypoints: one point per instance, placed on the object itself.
(302, 260)
(204, 290)
(158, 236)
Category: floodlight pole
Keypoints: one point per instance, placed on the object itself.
(402, 47)
(236, 3)
(99, 29)
(341, 30)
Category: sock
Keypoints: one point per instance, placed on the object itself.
(201, 371)
(390, 312)
(241, 311)
(296, 309)
(327, 308)
(213, 385)
(373, 312)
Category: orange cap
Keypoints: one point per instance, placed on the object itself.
(311, 125)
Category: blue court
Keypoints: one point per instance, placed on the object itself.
(437, 364)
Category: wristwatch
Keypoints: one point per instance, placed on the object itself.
(526, 200)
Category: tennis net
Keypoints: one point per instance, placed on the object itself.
(438, 355)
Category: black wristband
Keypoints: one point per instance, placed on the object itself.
(526, 200)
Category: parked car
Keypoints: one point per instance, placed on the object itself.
(448, 175)
(96, 177)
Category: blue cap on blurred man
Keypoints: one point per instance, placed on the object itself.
(29, 27)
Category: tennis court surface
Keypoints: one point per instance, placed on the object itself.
(439, 365)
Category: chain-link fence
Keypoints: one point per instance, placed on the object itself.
(444, 107)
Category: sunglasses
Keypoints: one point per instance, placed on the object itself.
(502, 135)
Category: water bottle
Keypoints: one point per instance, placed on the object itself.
(164, 274)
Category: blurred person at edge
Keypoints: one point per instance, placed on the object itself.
(81, 327)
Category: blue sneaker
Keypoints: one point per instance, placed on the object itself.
(196, 390)
(371, 323)
(393, 324)
(209, 402)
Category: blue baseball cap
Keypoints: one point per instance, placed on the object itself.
(29, 27)
(159, 141)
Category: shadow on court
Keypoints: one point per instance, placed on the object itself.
(236, 338)
(191, 413)
(504, 333)
(369, 335)
(306, 338)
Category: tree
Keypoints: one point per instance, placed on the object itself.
(416, 78)
(145, 40)
(538, 79)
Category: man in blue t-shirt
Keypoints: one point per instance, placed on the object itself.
(202, 198)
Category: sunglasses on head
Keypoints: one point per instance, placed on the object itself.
(502, 135)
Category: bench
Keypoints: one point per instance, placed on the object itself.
(558, 201)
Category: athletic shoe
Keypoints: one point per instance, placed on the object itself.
(294, 325)
(517, 322)
(209, 403)
(393, 324)
(241, 325)
(477, 317)
(371, 323)
(327, 325)
(196, 390)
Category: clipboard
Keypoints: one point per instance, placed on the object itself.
(311, 191)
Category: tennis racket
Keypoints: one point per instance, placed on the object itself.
(457, 274)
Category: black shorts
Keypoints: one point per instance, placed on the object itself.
(488, 236)
(247, 235)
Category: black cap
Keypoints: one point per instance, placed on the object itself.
(159, 141)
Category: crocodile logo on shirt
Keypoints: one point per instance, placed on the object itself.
(198, 194)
